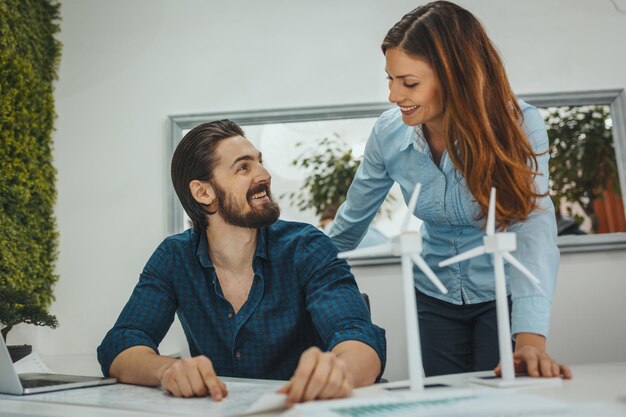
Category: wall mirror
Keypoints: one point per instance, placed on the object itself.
(588, 167)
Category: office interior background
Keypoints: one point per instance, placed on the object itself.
(129, 64)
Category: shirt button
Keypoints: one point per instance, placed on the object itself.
(238, 355)
(230, 315)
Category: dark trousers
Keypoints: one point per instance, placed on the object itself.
(457, 338)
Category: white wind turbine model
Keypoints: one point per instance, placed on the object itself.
(499, 245)
(408, 245)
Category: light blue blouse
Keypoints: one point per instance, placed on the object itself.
(396, 152)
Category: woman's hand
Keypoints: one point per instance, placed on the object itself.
(530, 357)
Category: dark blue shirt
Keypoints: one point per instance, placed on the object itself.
(301, 296)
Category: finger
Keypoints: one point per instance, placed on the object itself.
(197, 383)
(184, 387)
(531, 362)
(566, 372)
(285, 388)
(223, 387)
(545, 365)
(210, 380)
(556, 369)
(346, 388)
(300, 379)
(320, 376)
(169, 384)
(171, 387)
(497, 369)
(332, 389)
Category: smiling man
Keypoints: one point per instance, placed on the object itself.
(257, 297)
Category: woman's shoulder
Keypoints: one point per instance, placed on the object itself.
(532, 119)
(534, 126)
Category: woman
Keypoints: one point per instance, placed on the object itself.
(458, 129)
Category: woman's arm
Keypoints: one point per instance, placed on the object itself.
(366, 194)
(538, 251)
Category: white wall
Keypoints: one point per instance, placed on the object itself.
(128, 64)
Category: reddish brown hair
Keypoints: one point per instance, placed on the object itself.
(482, 119)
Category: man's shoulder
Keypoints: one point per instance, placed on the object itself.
(183, 241)
(290, 232)
(288, 238)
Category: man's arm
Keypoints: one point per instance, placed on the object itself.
(191, 377)
(129, 351)
(356, 347)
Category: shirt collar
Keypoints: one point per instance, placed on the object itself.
(419, 140)
(203, 247)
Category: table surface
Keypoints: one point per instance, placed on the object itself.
(605, 383)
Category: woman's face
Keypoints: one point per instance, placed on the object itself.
(414, 87)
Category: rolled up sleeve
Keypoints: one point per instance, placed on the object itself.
(333, 299)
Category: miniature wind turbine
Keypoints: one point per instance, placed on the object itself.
(408, 245)
(499, 245)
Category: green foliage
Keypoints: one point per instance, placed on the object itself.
(29, 58)
(20, 307)
(582, 153)
(332, 168)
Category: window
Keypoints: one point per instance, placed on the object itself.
(587, 132)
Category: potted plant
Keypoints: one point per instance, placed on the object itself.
(331, 168)
(583, 167)
(20, 307)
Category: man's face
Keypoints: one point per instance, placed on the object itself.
(242, 185)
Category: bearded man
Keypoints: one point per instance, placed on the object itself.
(257, 297)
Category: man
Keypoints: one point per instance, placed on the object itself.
(257, 297)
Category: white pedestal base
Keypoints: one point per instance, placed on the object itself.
(518, 382)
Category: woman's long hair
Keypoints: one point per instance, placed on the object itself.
(481, 116)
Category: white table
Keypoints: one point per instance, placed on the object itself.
(604, 383)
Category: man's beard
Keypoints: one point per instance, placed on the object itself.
(254, 217)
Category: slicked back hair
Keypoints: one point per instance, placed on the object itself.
(195, 159)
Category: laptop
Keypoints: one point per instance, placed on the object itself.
(35, 383)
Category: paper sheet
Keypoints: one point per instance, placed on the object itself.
(477, 404)
(31, 364)
(243, 398)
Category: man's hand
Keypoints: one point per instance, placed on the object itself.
(530, 357)
(319, 375)
(193, 377)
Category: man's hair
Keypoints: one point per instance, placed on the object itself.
(480, 112)
(195, 159)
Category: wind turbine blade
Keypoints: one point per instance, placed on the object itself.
(379, 250)
(517, 264)
(472, 253)
(491, 215)
(421, 263)
(411, 207)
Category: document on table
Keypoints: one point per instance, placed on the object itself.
(243, 398)
(31, 363)
(471, 404)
